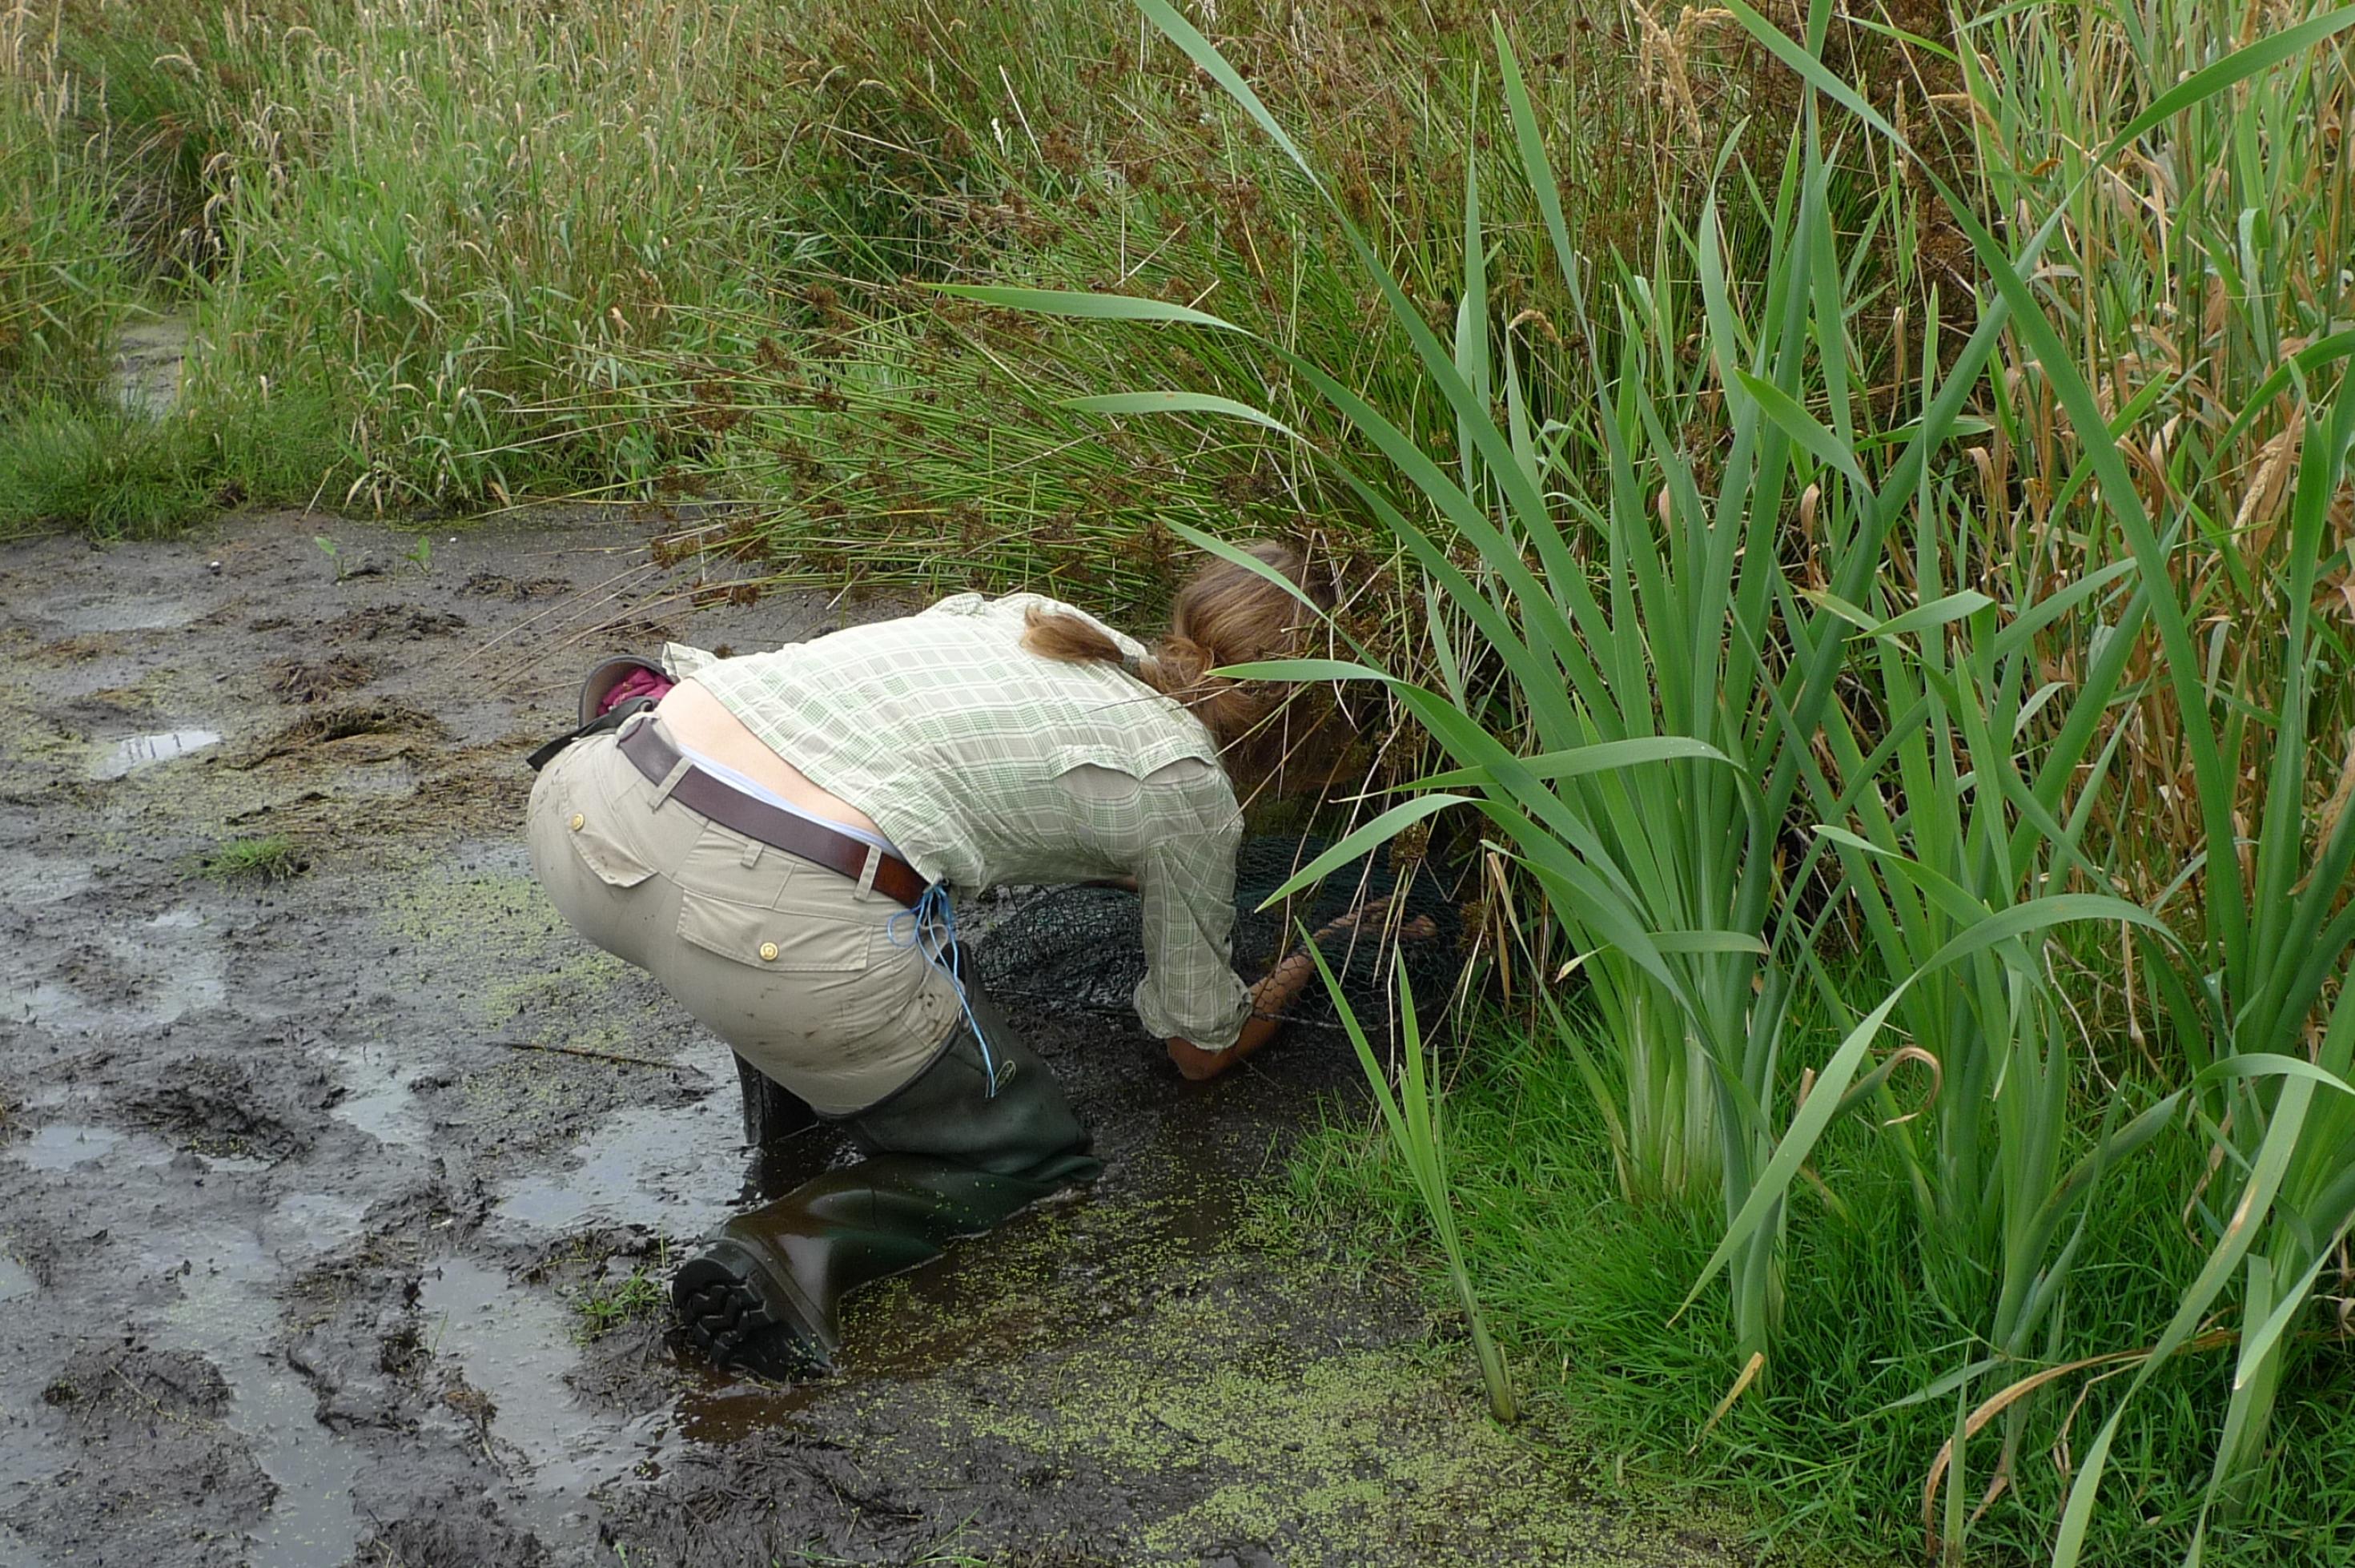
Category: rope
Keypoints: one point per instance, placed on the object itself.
(931, 931)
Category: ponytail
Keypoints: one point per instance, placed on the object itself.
(1051, 635)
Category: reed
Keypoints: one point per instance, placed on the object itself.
(63, 284)
(1737, 601)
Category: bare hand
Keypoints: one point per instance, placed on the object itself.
(1273, 997)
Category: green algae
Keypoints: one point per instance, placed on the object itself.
(445, 907)
(1235, 1398)
(503, 923)
(568, 986)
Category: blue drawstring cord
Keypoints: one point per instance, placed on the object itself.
(931, 931)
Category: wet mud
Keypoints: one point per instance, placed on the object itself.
(313, 1252)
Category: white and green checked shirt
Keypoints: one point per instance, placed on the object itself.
(987, 765)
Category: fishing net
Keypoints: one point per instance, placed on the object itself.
(1081, 949)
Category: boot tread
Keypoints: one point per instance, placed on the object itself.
(724, 1315)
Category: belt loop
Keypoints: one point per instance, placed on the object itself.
(678, 770)
(867, 872)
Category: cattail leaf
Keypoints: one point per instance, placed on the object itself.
(1180, 403)
(1380, 830)
(1083, 306)
(1579, 761)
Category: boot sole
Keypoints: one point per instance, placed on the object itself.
(729, 1311)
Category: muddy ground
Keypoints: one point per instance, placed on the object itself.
(306, 1247)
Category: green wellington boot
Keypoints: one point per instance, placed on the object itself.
(772, 1112)
(948, 1159)
(764, 1290)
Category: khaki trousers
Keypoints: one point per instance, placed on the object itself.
(788, 961)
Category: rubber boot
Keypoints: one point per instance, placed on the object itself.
(948, 1159)
(995, 1107)
(765, 1290)
(772, 1111)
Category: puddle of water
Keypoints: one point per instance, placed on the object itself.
(306, 1223)
(17, 1281)
(108, 610)
(128, 756)
(1052, 1275)
(61, 1145)
(377, 1100)
(516, 1345)
(225, 1313)
(158, 971)
(722, 1411)
(660, 1170)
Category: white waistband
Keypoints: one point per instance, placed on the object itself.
(767, 797)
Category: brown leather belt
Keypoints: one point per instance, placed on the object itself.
(725, 804)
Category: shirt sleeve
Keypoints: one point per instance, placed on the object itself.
(1190, 990)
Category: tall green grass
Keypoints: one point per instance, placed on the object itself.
(1411, 1111)
(1755, 602)
(453, 254)
(62, 262)
(455, 224)
(68, 285)
(2232, 335)
(425, 248)
(1063, 146)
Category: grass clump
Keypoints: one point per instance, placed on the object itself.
(612, 1303)
(274, 858)
(1831, 1454)
(89, 462)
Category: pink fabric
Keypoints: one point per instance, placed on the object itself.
(638, 683)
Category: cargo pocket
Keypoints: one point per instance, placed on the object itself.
(569, 805)
(784, 941)
(608, 853)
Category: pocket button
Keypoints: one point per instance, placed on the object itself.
(768, 952)
(578, 822)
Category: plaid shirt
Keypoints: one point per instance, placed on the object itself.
(986, 764)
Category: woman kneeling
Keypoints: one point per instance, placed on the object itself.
(775, 840)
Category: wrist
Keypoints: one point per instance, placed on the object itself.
(1292, 969)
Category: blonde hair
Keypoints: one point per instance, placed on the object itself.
(1225, 614)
